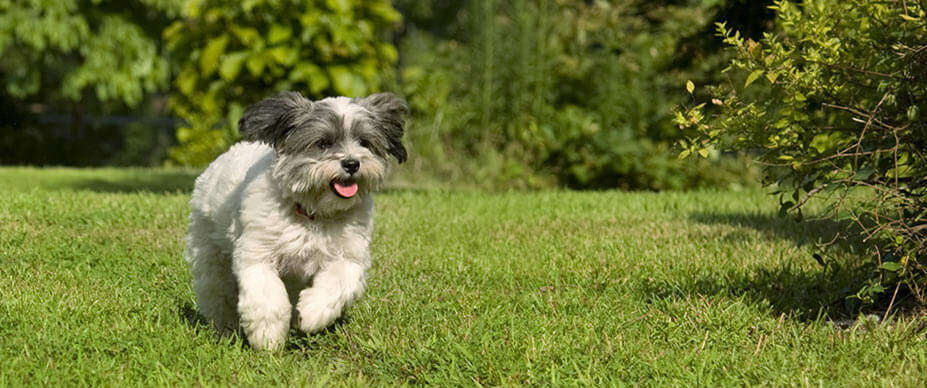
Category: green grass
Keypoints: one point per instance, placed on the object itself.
(545, 288)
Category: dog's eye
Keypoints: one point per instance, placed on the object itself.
(324, 144)
(364, 143)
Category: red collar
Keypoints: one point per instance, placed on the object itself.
(302, 211)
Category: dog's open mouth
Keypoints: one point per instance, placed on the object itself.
(344, 189)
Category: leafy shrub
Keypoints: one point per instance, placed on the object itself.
(542, 93)
(66, 66)
(66, 50)
(232, 53)
(843, 117)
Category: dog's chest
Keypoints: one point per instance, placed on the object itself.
(303, 248)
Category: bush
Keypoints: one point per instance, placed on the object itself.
(843, 114)
(543, 93)
(233, 53)
(65, 50)
(67, 67)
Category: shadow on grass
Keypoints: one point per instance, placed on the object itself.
(795, 292)
(301, 341)
(141, 181)
(788, 289)
(773, 227)
(297, 340)
(193, 319)
(189, 315)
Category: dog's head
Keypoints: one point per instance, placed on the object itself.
(332, 152)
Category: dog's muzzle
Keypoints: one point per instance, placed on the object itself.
(350, 165)
(346, 188)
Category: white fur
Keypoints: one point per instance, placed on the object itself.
(253, 257)
(344, 107)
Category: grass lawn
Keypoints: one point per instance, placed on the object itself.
(467, 288)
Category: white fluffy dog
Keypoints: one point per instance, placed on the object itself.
(281, 224)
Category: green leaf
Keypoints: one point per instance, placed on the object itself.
(186, 80)
(312, 75)
(173, 32)
(690, 87)
(279, 33)
(248, 5)
(346, 82)
(209, 58)
(912, 112)
(246, 35)
(772, 76)
(339, 6)
(679, 119)
(366, 69)
(283, 55)
(820, 142)
(192, 9)
(235, 111)
(184, 134)
(891, 266)
(752, 77)
(389, 52)
(231, 65)
(875, 289)
(385, 12)
(255, 64)
(863, 173)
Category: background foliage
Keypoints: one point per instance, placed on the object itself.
(233, 53)
(523, 94)
(542, 93)
(77, 59)
(839, 115)
(71, 49)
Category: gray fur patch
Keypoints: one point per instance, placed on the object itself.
(388, 118)
(271, 119)
(292, 125)
(320, 130)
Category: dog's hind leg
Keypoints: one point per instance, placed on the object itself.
(216, 290)
(213, 282)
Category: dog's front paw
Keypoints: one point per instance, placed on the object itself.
(266, 335)
(316, 313)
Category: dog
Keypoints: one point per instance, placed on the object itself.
(281, 223)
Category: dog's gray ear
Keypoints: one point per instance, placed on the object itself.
(271, 119)
(389, 110)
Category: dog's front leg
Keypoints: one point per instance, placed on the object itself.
(337, 284)
(262, 303)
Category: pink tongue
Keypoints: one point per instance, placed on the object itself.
(346, 191)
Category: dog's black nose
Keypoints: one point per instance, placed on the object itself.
(350, 165)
